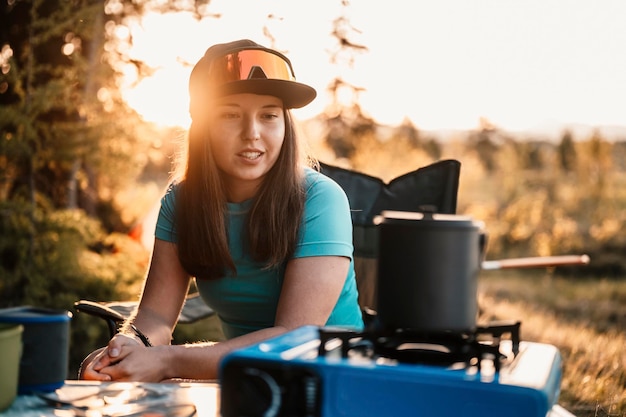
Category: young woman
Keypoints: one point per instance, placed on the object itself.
(268, 239)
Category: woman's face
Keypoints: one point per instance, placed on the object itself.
(247, 132)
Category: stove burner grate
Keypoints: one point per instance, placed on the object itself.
(437, 348)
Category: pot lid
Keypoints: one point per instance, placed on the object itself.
(426, 218)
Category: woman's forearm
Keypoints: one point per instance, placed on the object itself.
(150, 324)
(202, 360)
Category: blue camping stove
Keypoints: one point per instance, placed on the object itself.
(330, 372)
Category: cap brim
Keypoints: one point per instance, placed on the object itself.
(293, 94)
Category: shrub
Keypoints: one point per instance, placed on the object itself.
(53, 258)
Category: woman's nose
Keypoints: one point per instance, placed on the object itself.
(251, 129)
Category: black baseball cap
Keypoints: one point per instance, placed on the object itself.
(244, 66)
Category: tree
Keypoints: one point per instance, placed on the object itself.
(346, 121)
(61, 110)
(567, 152)
(67, 144)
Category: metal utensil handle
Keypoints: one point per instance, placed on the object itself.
(535, 262)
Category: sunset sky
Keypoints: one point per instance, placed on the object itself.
(444, 64)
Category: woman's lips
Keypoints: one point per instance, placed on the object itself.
(251, 155)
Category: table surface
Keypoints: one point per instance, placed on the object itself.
(203, 396)
(107, 399)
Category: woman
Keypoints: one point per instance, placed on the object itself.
(268, 240)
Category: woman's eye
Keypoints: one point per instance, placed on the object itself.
(228, 115)
(270, 116)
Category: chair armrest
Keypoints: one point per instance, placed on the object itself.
(115, 313)
(112, 317)
(99, 310)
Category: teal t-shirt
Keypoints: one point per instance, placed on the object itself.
(247, 301)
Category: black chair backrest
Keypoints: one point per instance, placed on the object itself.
(435, 185)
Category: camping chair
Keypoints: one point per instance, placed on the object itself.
(433, 187)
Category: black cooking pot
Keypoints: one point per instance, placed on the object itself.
(428, 271)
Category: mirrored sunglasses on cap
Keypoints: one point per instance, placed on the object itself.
(250, 64)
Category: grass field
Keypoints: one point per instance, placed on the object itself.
(585, 319)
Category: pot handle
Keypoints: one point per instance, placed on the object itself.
(536, 262)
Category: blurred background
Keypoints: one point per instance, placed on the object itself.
(529, 96)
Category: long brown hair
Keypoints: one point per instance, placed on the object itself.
(201, 212)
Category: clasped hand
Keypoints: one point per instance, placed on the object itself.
(123, 359)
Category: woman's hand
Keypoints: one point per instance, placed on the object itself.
(125, 359)
(86, 367)
(103, 357)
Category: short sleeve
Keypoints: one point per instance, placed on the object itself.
(327, 225)
(165, 221)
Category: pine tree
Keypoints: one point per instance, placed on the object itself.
(67, 143)
(60, 117)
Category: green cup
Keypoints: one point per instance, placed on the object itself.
(10, 353)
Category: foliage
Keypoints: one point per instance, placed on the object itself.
(583, 318)
(64, 131)
(536, 197)
(533, 205)
(69, 147)
(53, 258)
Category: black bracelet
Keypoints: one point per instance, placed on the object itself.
(141, 336)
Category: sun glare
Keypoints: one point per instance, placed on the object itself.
(162, 98)
(171, 44)
(445, 65)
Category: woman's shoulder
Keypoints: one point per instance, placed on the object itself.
(172, 188)
(314, 179)
(318, 184)
(169, 197)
